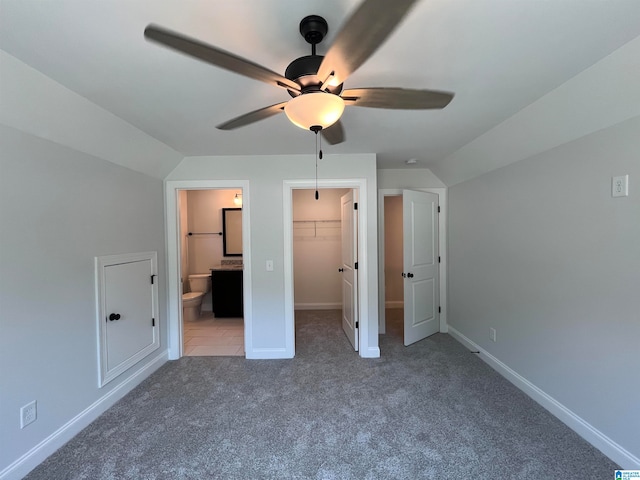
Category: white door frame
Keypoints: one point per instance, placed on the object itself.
(172, 223)
(442, 241)
(363, 255)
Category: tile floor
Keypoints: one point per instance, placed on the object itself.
(214, 337)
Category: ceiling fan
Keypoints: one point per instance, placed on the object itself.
(314, 81)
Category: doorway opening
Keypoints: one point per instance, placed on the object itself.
(317, 258)
(201, 250)
(393, 282)
(211, 272)
(355, 314)
(412, 281)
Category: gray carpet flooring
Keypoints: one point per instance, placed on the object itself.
(432, 410)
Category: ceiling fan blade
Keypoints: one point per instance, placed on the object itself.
(252, 117)
(360, 36)
(333, 134)
(217, 57)
(396, 98)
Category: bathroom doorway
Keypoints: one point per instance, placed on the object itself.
(199, 249)
(210, 253)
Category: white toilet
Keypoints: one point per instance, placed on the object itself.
(199, 285)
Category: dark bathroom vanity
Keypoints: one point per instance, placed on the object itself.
(226, 291)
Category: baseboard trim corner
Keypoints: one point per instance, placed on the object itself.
(599, 440)
(34, 457)
(371, 352)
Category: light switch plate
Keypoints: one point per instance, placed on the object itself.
(620, 186)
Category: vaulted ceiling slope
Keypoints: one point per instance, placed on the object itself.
(527, 75)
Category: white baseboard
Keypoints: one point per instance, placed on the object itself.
(318, 306)
(394, 304)
(371, 352)
(596, 438)
(34, 457)
(266, 354)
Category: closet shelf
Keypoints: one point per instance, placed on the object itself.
(316, 229)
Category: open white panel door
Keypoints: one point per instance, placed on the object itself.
(420, 265)
(349, 220)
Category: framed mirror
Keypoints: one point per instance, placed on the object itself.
(232, 232)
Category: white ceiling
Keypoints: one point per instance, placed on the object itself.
(498, 56)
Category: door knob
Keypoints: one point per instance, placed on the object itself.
(410, 275)
(341, 269)
(114, 316)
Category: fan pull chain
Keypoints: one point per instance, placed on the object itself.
(318, 156)
(315, 129)
(317, 194)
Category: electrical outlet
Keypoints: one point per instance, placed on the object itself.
(269, 265)
(28, 414)
(492, 334)
(620, 186)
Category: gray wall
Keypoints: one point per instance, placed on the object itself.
(540, 251)
(408, 178)
(60, 208)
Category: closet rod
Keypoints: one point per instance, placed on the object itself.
(204, 233)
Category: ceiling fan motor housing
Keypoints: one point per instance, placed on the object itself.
(303, 71)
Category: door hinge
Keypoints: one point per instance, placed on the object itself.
(153, 322)
(438, 259)
(439, 309)
(152, 277)
(355, 205)
(438, 208)
(357, 324)
(356, 266)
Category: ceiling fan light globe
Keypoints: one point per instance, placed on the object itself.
(314, 108)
